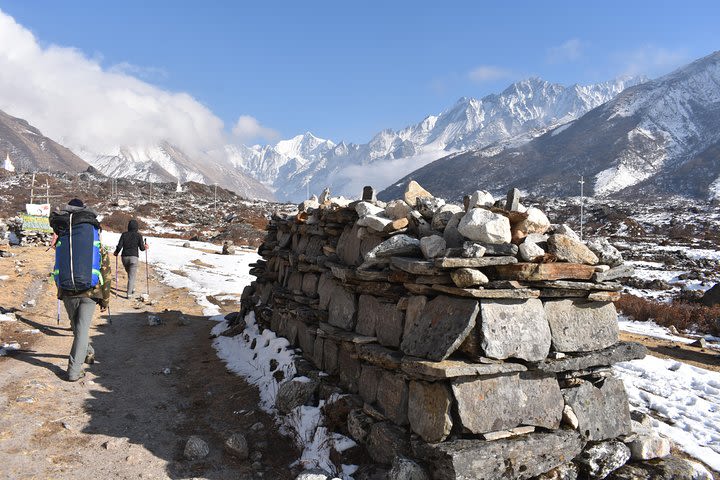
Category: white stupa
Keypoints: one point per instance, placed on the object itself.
(178, 189)
(7, 164)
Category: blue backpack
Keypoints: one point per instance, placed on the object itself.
(77, 258)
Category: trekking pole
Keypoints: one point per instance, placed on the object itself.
(147, 274)
(109, 315)
(117, 287)
(58, 315)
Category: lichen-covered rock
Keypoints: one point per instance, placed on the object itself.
(606, 253)
(296, 392)
(443, 215)
(405, 469)
(566, 249)
(598, 461)
(468, 277)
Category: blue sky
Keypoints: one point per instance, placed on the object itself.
(345, 70)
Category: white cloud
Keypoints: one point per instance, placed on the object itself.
(487, 73)
(247, 129)
(72, 99)
(567, 52)
(381, 173)
(651, 60)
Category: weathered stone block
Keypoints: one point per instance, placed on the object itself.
(342, 309)
(326, 286)
(390, 326)
(369, 381)
(581, 326)
(441, 328)
(310, 284)
(507, 401)
(306, 339)
(348, 367)
(514, 329)
(330, 356)
(359, 424)
(295, 282)
(348, 246)
(620, 352)
(513, 458)
(392, 397)
(387, 441)
(415, 306)
(598, 461)
(602, 412)
(318, 352)
(294, 393)
(429, 410)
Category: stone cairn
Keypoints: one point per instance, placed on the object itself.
(477, 340)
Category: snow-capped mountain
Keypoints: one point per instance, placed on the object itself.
(524, 110)
(661, 137)
(27, 149)
(167, 163)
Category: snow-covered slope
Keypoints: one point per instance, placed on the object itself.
(524, 110)
(658, 138)
(167, 163)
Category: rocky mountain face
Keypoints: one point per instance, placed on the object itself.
(167, 163)
(660, 137)
(29, 150)
(524, 110)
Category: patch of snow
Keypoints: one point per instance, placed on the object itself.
(683, 401)
(7, 347)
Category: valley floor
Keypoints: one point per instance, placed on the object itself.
(130, 416)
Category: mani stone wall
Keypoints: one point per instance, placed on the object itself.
(477, 339)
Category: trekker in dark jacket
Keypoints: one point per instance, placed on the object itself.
(130, 242)
(80, 305)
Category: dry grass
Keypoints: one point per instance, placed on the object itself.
(118, 221)
(682, 315)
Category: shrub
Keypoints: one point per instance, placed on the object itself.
(680, 314)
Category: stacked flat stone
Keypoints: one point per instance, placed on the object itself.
(477, 339)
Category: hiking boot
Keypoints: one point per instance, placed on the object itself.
(90, 358)
(75, 379)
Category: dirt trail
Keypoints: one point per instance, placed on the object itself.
(151, 388)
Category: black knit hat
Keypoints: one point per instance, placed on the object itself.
(76, 202)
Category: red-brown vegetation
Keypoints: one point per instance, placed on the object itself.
(682, 315)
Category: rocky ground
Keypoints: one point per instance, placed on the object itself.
(152, 388)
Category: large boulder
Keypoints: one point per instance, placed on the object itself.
(569, 250)
(485, 226)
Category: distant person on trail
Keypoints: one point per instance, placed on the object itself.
(129, 244)
(82, 275)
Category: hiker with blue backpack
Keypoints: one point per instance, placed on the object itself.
(130, 244)
(82, 275)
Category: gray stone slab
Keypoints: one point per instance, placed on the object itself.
(306, 339)
(507, 459)
(390, 325)
(517, 293)
(392, 397)
(414, 265)
(622, 271)
(602, 412)
(441, 328)
(369, 381)
(451, 262)
(295, 282)
(503, 402)
(433, 371)
(326, 285)
(342, 311)
(318, 352)
(620, 352)
(429, 410)
(514, 329)
(581, 326)
(348, 246)
(413, 310)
